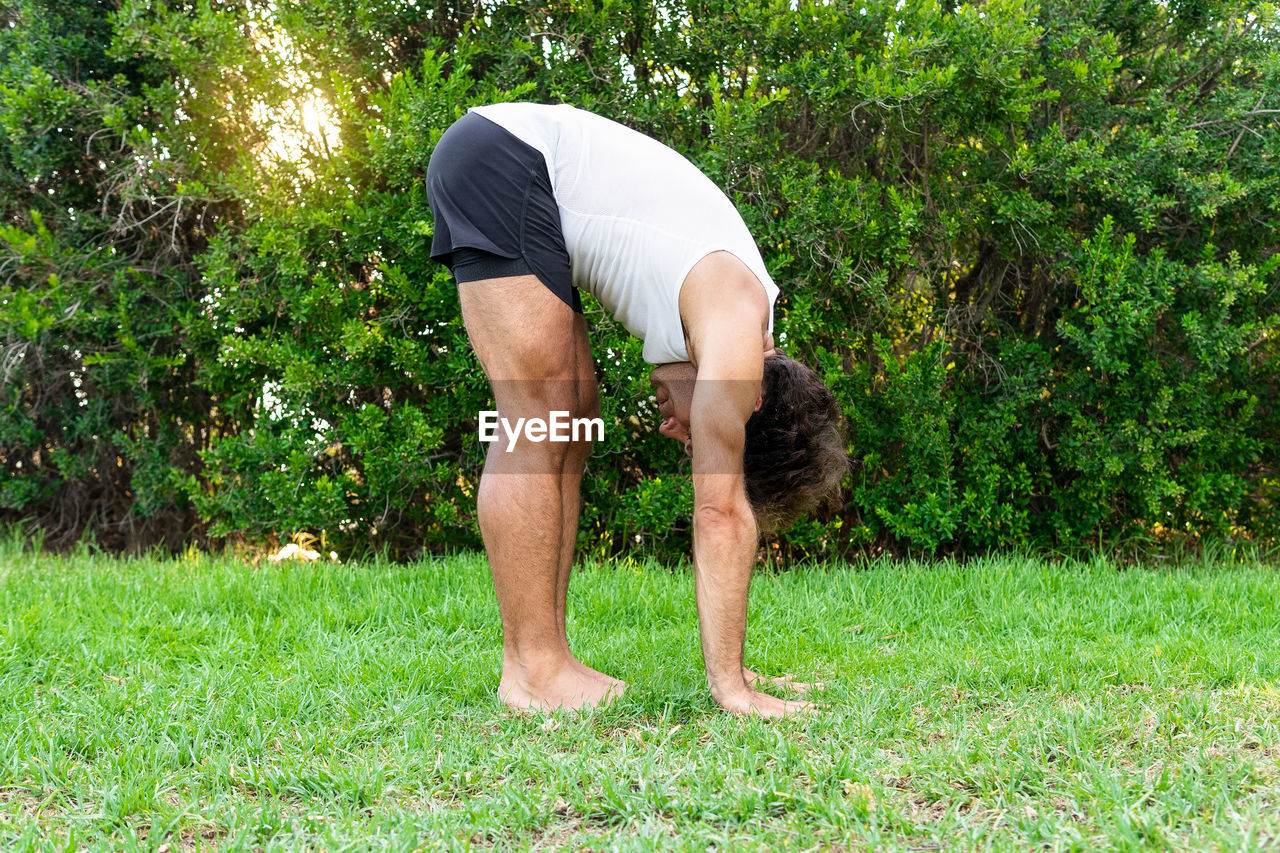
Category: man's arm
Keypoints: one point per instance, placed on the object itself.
(728, 340)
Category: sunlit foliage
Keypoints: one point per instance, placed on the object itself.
(1033, 248)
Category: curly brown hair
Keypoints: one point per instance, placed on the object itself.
(794, 458)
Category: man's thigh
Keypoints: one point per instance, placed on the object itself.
(522, 333)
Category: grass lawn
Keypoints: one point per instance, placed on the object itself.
(1006, 703)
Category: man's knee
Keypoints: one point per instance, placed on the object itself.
(551, 381)
(538, 397)
(588, 401)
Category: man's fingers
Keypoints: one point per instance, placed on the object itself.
(787, 682)
(804, 688)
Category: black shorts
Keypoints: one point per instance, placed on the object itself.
(494, 212)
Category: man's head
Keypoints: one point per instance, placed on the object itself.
(794, 456)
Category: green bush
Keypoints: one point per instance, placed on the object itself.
(1032, 248)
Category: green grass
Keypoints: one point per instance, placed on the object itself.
(1005, 704)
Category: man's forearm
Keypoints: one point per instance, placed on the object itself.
(724, 544)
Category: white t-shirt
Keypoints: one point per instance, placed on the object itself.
(636, 217)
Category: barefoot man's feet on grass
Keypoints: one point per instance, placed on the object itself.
(531, 202)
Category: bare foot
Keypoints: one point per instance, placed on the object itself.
(569, 688)
(804, 688)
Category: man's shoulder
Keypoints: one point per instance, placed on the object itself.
(721, 292)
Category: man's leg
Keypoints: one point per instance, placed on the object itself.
(526, 340)
(588, 406)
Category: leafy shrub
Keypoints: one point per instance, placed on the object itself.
(1033, 250)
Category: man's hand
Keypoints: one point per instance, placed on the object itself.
(748, 700)
(753, 702)
(787, 682)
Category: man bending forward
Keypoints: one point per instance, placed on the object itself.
(532, 202)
